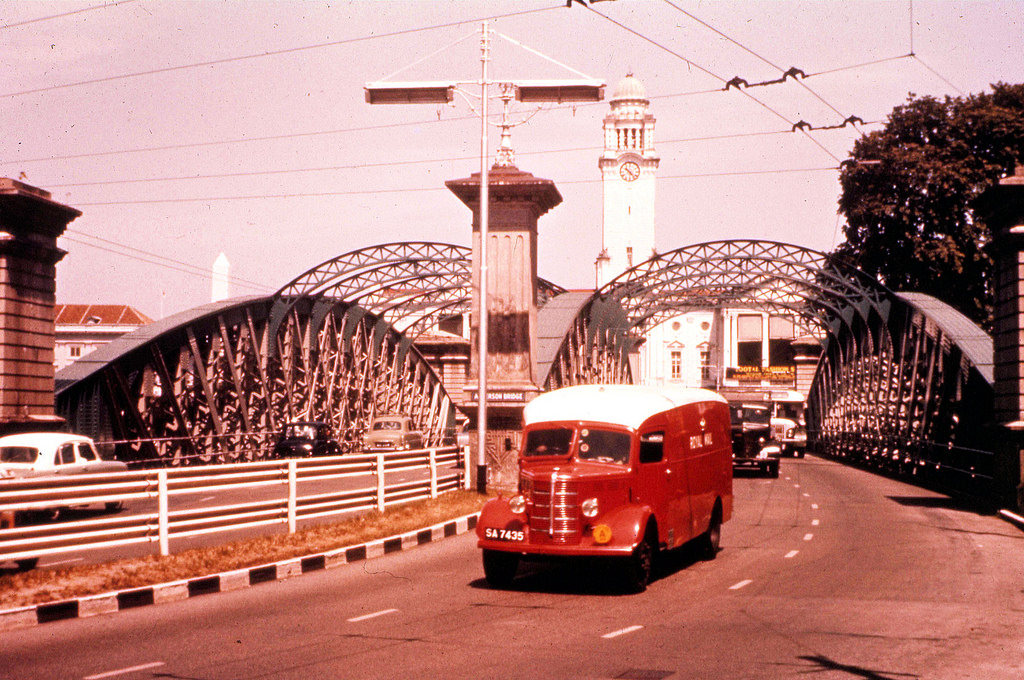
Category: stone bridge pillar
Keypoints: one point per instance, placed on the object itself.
(30, 223)
(517, 200)
(1003, 207)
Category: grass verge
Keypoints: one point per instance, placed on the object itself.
(50, 585)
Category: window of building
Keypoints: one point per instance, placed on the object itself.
(677, 364)
(705, 361)
(75, 351)
(780, 340)
(748, 340)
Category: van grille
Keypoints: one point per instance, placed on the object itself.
(556, 509)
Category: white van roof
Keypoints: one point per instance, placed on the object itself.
(626, 405)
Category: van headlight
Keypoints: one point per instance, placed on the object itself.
(589, 508)
(517, 504)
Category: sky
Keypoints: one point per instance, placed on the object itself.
(183, 130)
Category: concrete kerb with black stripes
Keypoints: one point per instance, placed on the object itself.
(109, 603)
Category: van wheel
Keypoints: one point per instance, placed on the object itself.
(710, 540)
(27, 564)
(773, 470)
(500, 568)
(640, 565)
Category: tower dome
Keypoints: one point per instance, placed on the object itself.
(629, 88)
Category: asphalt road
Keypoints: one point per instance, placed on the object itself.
(826, 573)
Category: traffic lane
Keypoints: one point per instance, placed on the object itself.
(883, 578)
(756, 611)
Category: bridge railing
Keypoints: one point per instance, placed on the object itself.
(442, 470)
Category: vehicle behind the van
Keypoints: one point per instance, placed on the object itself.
(617, 471)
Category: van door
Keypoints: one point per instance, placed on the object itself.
(653, 482)
(702, 464)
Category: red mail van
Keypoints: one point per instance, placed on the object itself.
(621, 471)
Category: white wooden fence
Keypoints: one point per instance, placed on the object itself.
(362, 476)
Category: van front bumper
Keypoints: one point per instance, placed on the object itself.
(616, 533)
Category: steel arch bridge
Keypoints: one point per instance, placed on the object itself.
(903, 381)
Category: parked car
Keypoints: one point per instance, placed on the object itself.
(47, 454)
(306, 438)
(392, 433)
(753, 442)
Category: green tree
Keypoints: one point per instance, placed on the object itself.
(908, 190)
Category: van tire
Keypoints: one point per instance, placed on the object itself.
(500, 568)
(27, 564)
(710, 539)
(640, 565)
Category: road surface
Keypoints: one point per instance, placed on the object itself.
(827, 573)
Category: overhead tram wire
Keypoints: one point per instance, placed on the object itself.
(393, 163)
(292, 135)
(715, 76)
(261, 55)
(106, 5)
(851, 67)
(755, 54)
(198, 269)
(174, 265)
(373, 192)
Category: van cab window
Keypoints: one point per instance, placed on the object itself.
(652, 447)
(550, 442)
(604, 446)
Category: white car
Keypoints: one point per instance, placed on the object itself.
(49, 454)
(41, 454)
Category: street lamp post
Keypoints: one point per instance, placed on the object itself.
(531, 91)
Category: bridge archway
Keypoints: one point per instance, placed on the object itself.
(904, 382)
(217, 383)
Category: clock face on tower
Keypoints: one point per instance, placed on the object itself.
(629, 171)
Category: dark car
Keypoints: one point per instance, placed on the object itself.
(753, 441)
(306, 438)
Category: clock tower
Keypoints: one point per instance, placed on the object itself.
(628, 167)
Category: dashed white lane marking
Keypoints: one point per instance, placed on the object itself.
(796, 486)
(364, 617)
(815, 522)
(807, 495)
(742, 584)
(621, 631)
(125, 671)
(808, 537)
(814, 506)
(792, 553)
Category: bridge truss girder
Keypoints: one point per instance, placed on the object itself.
(220, 386)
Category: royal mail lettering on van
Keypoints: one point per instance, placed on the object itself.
(618, 471)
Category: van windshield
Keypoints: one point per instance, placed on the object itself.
(553, 442)
(604, 446)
